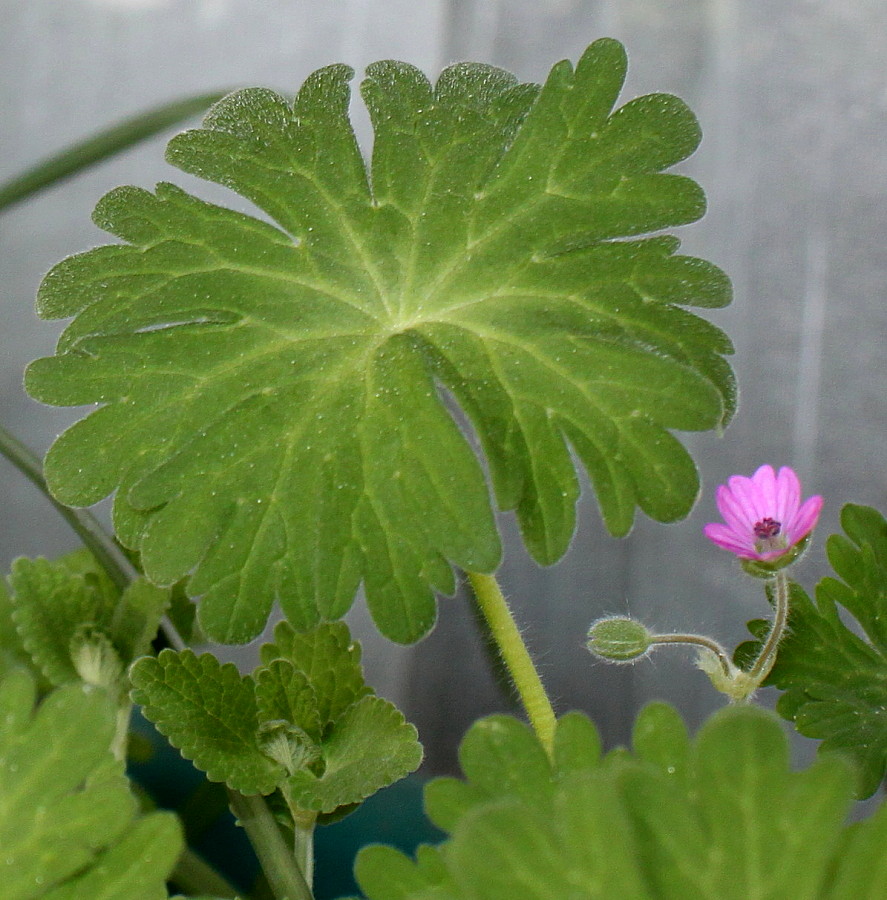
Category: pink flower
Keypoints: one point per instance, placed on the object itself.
(764, 516)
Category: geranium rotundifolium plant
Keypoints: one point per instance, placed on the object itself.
(341, 395)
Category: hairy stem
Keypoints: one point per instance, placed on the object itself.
(761, 667)
(277, 861)
(698, 640)
(516, 657)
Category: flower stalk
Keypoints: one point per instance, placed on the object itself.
(761, 667)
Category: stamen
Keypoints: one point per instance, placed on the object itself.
(767, 528)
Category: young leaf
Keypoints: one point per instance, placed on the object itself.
(52, 601)
(68, 825)
(283, 693)
(207, 711)
(501, 757)
(59, 605)
(278, 387)
(387, 874)
(329, 660)
(545, 856)
(368, 748)
(130, 868)
(835, 681)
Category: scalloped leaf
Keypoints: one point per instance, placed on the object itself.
(330, 661)
(68, 821)
(278, 387)
(208, 712)
(721, 817)
(368, 748)
(283, 693)
(835, 681)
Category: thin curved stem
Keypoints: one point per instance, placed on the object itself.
(102, 546)
(698, 640)
(516, 657)
(761, 667)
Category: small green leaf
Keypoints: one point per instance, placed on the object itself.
(130, 868)
(284, 692)
(279, 386)
(94, 657)
(208, 712)
(387, 874)
(56, 604)
(329, 660)
(835, 681)
(739, 824)
(500, 756)
(511, 849)
(68, 825)
(369, 747)
(137, 617)
(52, 600)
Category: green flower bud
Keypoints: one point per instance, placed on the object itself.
(619, 639)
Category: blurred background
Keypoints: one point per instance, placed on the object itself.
(792, 98)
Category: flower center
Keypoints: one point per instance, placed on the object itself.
(767, 532)
(767, 528)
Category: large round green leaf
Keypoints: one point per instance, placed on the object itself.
(270, 395)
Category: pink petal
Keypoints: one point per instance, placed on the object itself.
(764, 480)
(788, 495)
(736, 515)
(804, 520)
(750, 497)
(728, 539)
